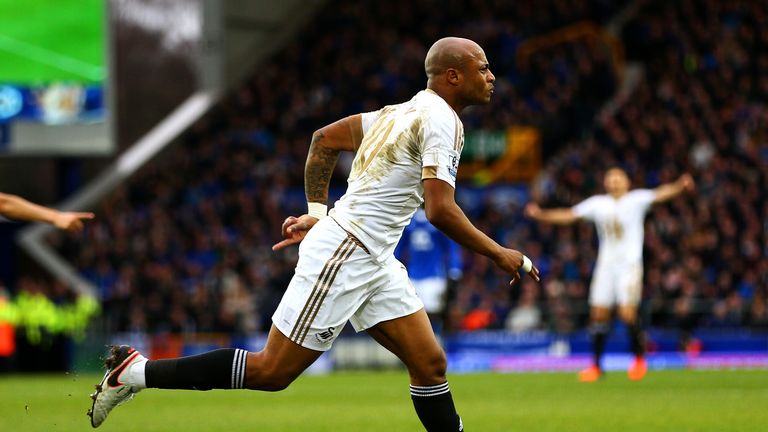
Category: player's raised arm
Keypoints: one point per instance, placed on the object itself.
(668, 191)
(15, 207)
(443, 212)
(558, 216)
(327, 142)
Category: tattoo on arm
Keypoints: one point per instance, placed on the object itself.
(318, 170)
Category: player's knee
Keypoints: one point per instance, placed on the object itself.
(266, 375)
(628, 316)
(274, 383)
(600, 317)
(271, 381)
(628, 319)
(431, 369)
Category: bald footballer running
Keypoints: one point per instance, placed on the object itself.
(405, 155)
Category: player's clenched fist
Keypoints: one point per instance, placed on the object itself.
(532, 210)
(513, 261)
(687, 183)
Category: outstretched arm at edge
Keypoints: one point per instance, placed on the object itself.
(15, 207)
(558, 216)
(668, 191)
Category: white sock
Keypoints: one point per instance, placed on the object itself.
(135, 375)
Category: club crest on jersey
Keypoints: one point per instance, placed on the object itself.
(454, 168)
(325, 336)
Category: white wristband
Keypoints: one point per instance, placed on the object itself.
(317, 210)
(527, 264)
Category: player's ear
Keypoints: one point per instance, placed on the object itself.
(453, 76)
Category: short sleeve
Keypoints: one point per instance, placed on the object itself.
(368, 119)
(642, 198)
(442, 137)
(587, 208)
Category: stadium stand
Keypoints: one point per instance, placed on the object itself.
(701, 108)
(184, 245)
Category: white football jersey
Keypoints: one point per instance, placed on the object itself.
(619, 223)
(402, 145)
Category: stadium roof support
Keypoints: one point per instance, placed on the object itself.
(32, 239)
(239, 34)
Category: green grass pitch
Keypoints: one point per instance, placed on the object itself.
(676, 401)
(42, 41)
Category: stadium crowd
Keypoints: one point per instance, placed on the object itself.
(701, 108)
(185, 244)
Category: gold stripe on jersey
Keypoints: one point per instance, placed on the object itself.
(324, 291)
(380, 139)
(299, 320)
(370, 139)
(429, 172)
(458, 139)
(455, 131)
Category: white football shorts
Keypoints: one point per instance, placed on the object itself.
(337, 280)
(432, 293)
(616, 284)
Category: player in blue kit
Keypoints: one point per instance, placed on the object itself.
(434, 264)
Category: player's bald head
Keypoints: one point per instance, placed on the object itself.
(458, 71)
(449, 52)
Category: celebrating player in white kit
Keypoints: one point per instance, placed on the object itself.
(406, 154)
(617, 279)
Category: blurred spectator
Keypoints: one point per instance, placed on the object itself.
(758, 314)
(479, 318)
(526, 315)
